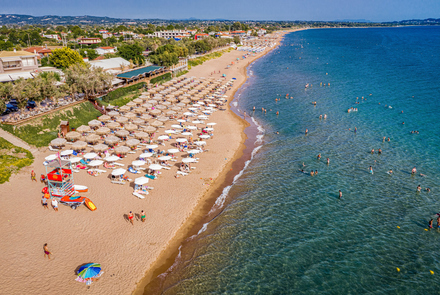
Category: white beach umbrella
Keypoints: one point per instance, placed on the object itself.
(176, 126)
(181, 120)
(163, 137)
(145, 155)
(193, 151)
(74, 160)
(151, 146)
(138, 163)
(191, 127)
(173, 151)
(141, 181)
(209, 129)
(197, 122)
(155, 167)
(95, 163)
(118, 171)
(200, 142)
(66, 153)
(170, 131)
(164, 158)
(50, 157)
(211, 124)
(181, 140)
(90, 156)
(204, 136)
(188, 160)
(187, 133)
(112, 158)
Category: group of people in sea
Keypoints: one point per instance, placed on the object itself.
(352, 110)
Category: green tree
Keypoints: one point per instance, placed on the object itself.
(19, 93)
(64, 57)
(87, 80)
(5, 94)
(131, 52)
(237, 40)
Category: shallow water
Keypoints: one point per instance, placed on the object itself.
(283, 231)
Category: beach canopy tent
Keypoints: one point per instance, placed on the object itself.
(141, 72)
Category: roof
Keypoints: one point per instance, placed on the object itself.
(138, 72)
(111, 63)
(202, 34)
(38, 49)
(106, 47)
(15, 53)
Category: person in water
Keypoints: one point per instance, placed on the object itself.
(328, 161)
(414, 170)
(430, 223)
(391, 171)
(372, 151)
(438, 222)
(307, 131)
(319, 156)
(428, 190)
(340, 194)
(316, 172)
(370, 170)
(379, 151)
(312, 173)
(419, 188)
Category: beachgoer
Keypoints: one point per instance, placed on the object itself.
(54, 204)
(312, 173)
(304, 165)
(143, 216)
(414, 170)
(438, 222)
(383, 139)
(388, 139)
(428, 189)
(391, 171)
(43, 178)
(423, 175)
(325, 116)
(307, 131)
(430, 223)
(33, 176)
(316, 172)
(278, 113)
(320, 117)
(340, 194)
(130, 217)
(372, 151)
(278, 132)
(419, 188)
(46, 251)
(355, 129)
(379, 151)
(370, 170)
(328, 161)
(319, 156)
(44, 202)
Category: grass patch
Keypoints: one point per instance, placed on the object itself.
(12, 159)
(124, 99)
(40, 131)
(181, 73)
(120, 92)
(161, 79)
(200, 60)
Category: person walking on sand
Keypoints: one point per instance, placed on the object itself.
(33, 176)
(340, 194)
(143, 216)
(44, 202)
(130, 217)
(46, 251)
(54, 204)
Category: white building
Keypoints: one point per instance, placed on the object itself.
(170, 34)
(52, 36)
(105, 50)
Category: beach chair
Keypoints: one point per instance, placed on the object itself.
(53, 149)
(182, 173)
(150, 176)
(131, 169)
(83, 162)
(167, 168)
(118, 181)
(139, 195)
(119, 164)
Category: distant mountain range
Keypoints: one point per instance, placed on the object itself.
(19, 19)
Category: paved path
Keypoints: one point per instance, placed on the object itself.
(18, 142)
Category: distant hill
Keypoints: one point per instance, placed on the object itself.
(20, 19)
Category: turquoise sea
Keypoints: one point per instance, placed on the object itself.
(280, 231)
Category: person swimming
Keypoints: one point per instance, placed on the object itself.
(414, 170)
(419, 188)
(430, 223)
(391, 171)
(370, 170)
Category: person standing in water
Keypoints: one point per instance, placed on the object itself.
(370, 170)
(430, 223)
(328, 161)
(414, 170)
(340, 194)
(307, 131)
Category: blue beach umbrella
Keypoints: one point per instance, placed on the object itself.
(89, 270)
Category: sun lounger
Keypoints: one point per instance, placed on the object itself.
(182, 173)
(53, 149)
(118, 181)
(131, 170)
(167, 168)
(119, 164)
(76, 171)
(139, 195)
(132, 152)
(150, 176)
(83, 162)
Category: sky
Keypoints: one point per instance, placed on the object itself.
(309, 10)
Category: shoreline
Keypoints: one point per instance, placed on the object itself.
(202, 213)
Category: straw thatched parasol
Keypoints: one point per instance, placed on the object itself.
(131, 104)
(150, 129)
(161, 107)
(132, 142)
(141, 135)
(113, 125)
(83, 128)
(162, 119)
(139, 110)
(153, 102)
(146, 117)
(113, 114)
(156, 123)
(111, 140)
(121, 120)
(102, 131)
(138, 121)
(73, 135)
(122, 150)
(58, 142)
(130, 115)
(122, 133)
(125, 108)
(100, 147)
(79, 145)
(131, 127)
(155, 112)
(147, 105)
(169, 113)
(93, 137)
(104, 118)
(94, 123)
(176, 108)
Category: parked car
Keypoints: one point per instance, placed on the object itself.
(31, 104)
(10, 108)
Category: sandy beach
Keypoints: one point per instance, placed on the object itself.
(129, 254)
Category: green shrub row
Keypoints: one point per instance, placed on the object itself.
(118, 93)
(161, 79)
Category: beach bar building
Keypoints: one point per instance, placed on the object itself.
(141, 73)
(59, 178)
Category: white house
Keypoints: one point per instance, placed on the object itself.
(105, 50)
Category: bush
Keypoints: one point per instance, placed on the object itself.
(161, 79)
(40, 131)
(118, 93)
(200, 60)
(181, 73)
(10, 159)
